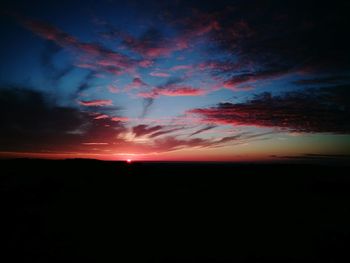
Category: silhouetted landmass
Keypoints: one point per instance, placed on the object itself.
(96, 211)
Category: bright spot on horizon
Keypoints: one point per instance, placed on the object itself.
(128, 160)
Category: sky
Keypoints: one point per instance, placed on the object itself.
(175, 80)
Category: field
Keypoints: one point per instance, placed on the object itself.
(96, 211)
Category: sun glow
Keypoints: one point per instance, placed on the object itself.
(128, 160)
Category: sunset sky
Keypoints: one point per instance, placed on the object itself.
(175, 80)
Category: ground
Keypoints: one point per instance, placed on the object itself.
(95, 211)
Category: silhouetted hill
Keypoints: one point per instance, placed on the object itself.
(98, 211)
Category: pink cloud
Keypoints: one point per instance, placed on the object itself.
(136, 84)
(146, 63)
(95, 103)
(102, 116)
(160, 74)
(173, 91)
(181, 67)
(113, 89)
(123, 119)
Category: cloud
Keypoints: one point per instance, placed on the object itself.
(136, 84)
(209, 127)
(152, 44)
(160, 74)
(146, 106)
(317, 158)
(153, 131)
(98, 116)
(329, 80)
(169, 88)
(85, 82)
(263, 41)
(181, 67)
(113, 89)
(92, 56)
(122, 119)
(172, 143)
(30, 121)
(48, 54)
(323, 110)
(173, 91)
(142, 130)
(101, 116)
(234, 82)
(95, 103)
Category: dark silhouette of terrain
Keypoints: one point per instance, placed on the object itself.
(96, 211)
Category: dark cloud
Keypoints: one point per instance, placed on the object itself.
(330, 80)
(206, 128)
(30, 121)
(268, 39)
(93, 56)
(146, 104)
(317, 158)
(47, 61)
(172, 143)
(152, 44)
(165, 131)
(153, 131)
(142, 129)
(314, 110)
(235, 81)
(85, 83)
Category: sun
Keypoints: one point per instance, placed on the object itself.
(128, 160)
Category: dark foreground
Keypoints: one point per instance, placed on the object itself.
(91, 211)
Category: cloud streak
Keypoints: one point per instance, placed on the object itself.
(172, 91)
(95, 103)
(92, 56)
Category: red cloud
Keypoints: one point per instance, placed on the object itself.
(95, 103)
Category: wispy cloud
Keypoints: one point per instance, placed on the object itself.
(159, 74)
(173, 91)
(95, 103)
